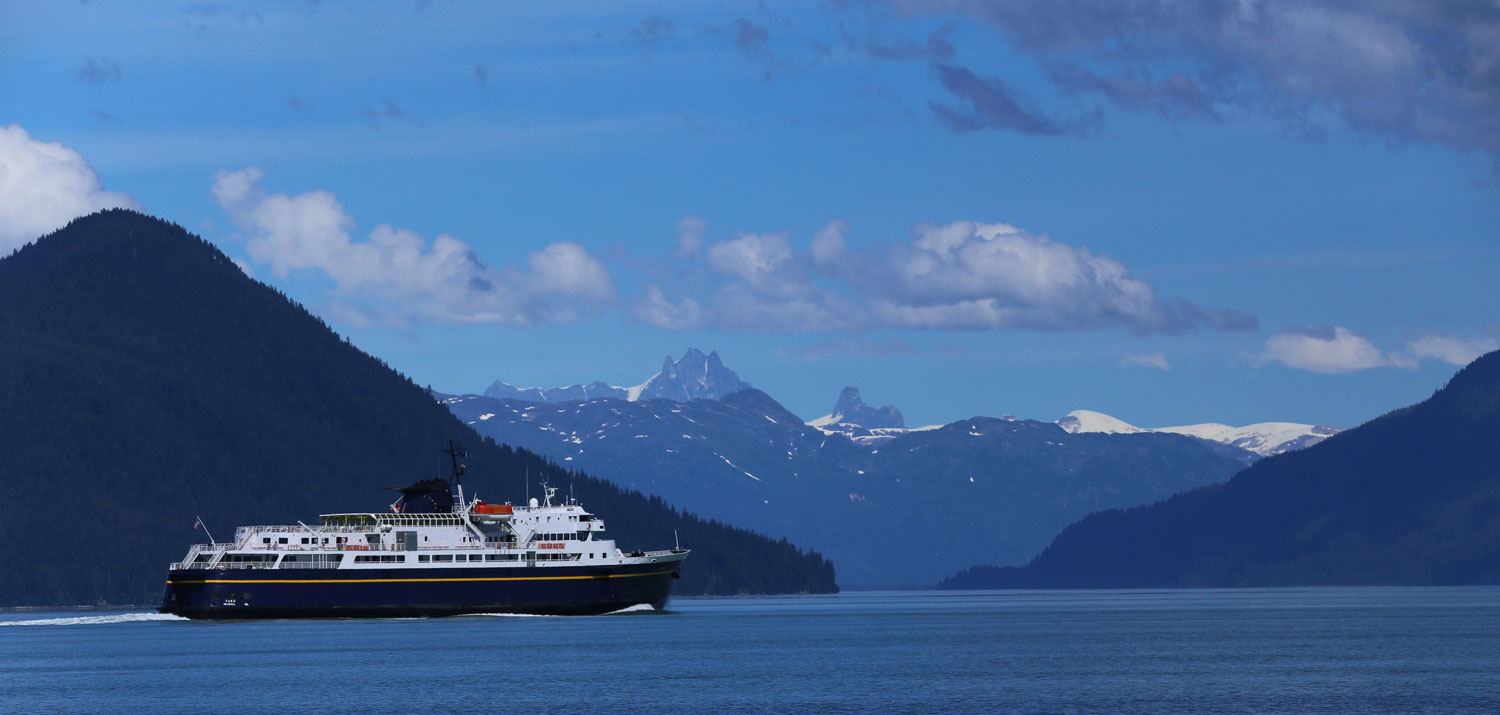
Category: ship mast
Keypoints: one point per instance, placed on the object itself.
(454, 452)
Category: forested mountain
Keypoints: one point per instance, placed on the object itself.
(890, 507)
(144, 379)
(1412, 497)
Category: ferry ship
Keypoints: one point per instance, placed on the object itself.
(426, 555)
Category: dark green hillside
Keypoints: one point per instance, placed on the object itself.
(1412, 497)
(144, 379)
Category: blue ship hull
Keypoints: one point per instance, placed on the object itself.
(364, 593)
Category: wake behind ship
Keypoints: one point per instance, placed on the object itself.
(427, 555)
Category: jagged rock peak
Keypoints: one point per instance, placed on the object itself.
(694, 377)
(851, 409)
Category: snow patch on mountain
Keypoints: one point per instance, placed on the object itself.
(1263, 438)
(868, 437)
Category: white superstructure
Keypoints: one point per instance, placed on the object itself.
(476, 535)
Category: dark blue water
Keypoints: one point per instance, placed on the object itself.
(1289, 650)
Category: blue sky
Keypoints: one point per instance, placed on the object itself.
(1164, 212)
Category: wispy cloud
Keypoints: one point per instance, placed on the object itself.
(753, 40)
(1156, 361)
(937, 47)
(99, 71)
(386, 110)
(652, 31)
(989, 103)
(855, 346)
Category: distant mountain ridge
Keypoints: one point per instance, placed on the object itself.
(1265, 439)
(694, 377)
(882, 504)
(1409, 498)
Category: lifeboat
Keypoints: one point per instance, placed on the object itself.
(490, 514)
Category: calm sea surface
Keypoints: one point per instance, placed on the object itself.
(1288, 650)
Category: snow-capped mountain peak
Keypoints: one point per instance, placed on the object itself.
(1088, 421)
(1263, 438)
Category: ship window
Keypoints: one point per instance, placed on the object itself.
(377, 559)
(266, 540)
(304, 539)
(443, 557)
(460, 557)
(424, 558)
(249, 558)
(281, 540)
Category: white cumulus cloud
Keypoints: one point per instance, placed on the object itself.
(1326, 348)
(43, 186)
(956, 276)
(1454, 351)
(398, 271)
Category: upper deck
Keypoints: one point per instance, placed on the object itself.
(499, 535)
